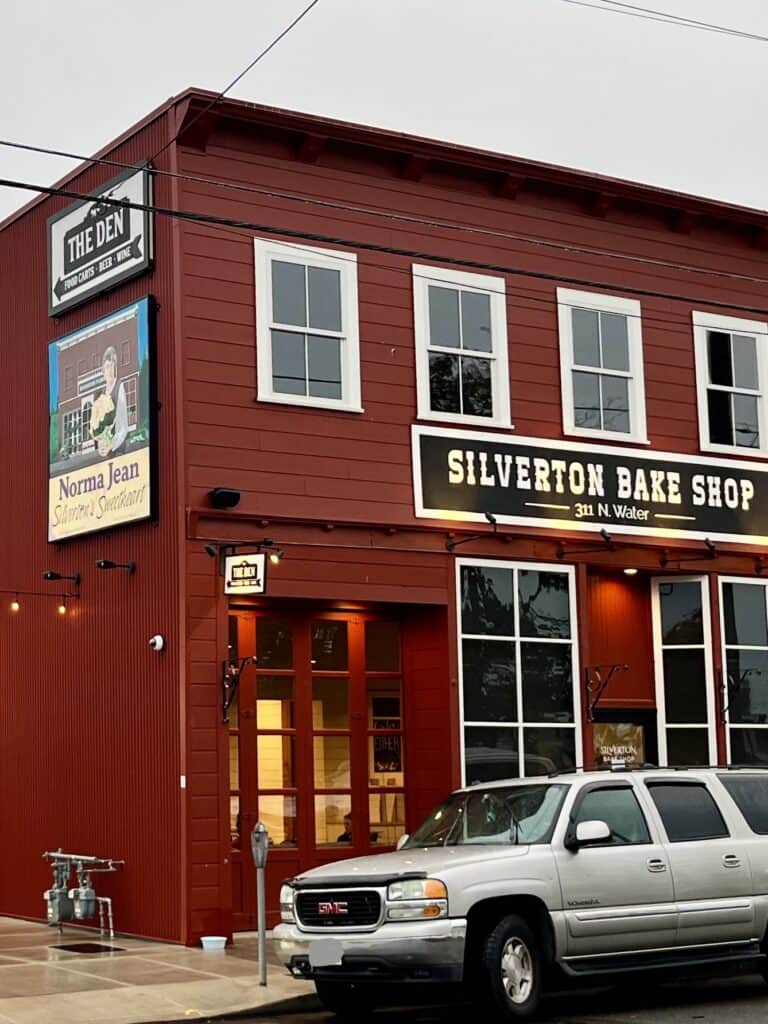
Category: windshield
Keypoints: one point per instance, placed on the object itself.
(504, 814)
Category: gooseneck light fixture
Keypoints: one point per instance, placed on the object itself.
(50, 575)
(106, 563)
(221, 549)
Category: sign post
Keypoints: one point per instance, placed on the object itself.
(259, 847)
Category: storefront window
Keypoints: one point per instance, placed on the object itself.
(518, 659)
(745, 636)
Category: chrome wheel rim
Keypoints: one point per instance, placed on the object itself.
(516, 970)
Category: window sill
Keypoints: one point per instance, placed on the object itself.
(308, 403)
(464, 421)
(737, 453)
(608, 436)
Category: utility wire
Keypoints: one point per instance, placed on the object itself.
(242, 75)
(398, 217)
(271, 229)
(665, 18)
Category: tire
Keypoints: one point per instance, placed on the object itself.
(510, 970)
(347, 1001)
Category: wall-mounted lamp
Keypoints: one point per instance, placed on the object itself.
(224, 497)
(630, 572)
(50, 575)
(105, 563)
(276, 555)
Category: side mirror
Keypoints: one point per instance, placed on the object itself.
(587, 834)
(402, 841)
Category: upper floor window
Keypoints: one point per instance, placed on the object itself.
(461, 346)
(307, 335)
(601, 366)
(731, 374)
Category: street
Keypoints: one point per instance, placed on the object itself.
(719, 1001)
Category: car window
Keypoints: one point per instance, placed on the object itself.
(619, 809)
(688, 811)
(750, 794)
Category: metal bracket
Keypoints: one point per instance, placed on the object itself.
(451, 544)
(562, 551)
(230, 682)
(596, 680)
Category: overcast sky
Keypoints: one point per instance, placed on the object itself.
(591, 89)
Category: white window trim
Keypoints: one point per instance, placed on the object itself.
(658, 663)
(566, 300)
(721, 581)
(521, 724)
(265, 250)
(495, 288)
(702, 322)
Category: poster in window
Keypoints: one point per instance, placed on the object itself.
(619, 741)
(100, 424)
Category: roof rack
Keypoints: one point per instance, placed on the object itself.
(619, 767)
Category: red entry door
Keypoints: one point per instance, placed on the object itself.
(316, 744)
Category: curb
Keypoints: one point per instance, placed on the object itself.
(295, 1004)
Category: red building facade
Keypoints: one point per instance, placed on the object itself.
(506, 424)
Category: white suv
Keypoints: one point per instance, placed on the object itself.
(509, 884)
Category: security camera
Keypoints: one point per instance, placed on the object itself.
(157, 642)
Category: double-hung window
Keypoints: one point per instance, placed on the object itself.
(461, 346)
(731, 378)
(307, 336)
(601, 366)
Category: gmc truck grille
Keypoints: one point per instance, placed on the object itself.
(351, 908)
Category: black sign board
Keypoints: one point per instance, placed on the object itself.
(527, 481)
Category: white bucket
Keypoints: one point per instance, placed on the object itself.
(213, 942)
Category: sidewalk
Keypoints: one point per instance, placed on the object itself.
(139, 981)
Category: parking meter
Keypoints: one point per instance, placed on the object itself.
(259, 847)
(259, 844)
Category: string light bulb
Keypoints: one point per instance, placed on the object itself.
(15, 604)
(62, 609)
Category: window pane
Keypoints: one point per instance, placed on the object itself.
(274, 762)
(687, 747)
(324, 357)
(750, 795)
(490, 754)
(444, 317)
(685, 686)
(444, 383)
(586, 400)
(234, 819)
(324, 298)
(234, 762)
(382, 647)
(746, 430)
(330, 826)
(544, 604)
(586, 339)
(720, 420)
(386, 817)
(384, 710)
(289, 299)
(719, 348)
(385, 760)
(747, 686)
(744, 362)
(274, 702)
(476, 393)
(549, 750)
(615, 404)
(681, 616)
(329, 703)
(688, 812)
(619, 809)
(487, 601)
(614, 341)
(288, 370)
(547, 682)
(749, 746)
(331, 754)
(745, 614)
(489, 681)
(329, 646)
(476, 321)
(279, 815)
(274, 643)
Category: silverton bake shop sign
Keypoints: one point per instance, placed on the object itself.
(96, 244)
(525, 481)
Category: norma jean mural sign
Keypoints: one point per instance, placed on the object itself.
(101, 424)
(523, 481)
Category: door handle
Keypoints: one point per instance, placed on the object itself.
(730, 860)
(655, 864)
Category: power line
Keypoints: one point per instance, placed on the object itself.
(271, 229)
(398, 217)
(664, 18)
(220, 96)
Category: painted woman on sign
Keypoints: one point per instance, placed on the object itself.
(109, 415)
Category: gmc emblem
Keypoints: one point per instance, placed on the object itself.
(333, 908)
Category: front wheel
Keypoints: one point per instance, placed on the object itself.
(347, 1001)
(511, 967)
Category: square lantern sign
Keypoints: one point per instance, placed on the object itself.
(245, 573)
(101, 430)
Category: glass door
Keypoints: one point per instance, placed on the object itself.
(744, 630)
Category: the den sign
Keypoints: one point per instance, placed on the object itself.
(100, 242)
(527, 481)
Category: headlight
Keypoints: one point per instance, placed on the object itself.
(416, 899)
(286, 904)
